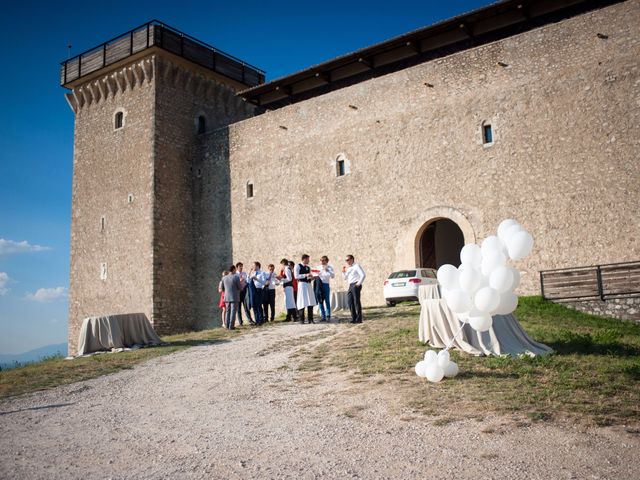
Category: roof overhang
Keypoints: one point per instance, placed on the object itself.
(485, 25)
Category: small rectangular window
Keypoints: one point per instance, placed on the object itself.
(119, 120)
(487, 134)
(102, 220)
(103, 271)
(340, 168)
(249, 190)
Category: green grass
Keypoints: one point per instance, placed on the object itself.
(57, 371)
(593, 376)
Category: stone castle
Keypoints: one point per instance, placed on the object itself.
(186, 160)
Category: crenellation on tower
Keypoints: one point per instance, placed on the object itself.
(144, 258)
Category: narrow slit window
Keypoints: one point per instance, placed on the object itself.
(340, 168)
(249, 190)
(102, 220)
(202, 124)
(118, 121)
(487, 134)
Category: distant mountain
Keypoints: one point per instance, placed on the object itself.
(11, 361)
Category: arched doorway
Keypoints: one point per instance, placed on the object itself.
(440, 242)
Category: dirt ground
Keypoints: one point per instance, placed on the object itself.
(241, 409)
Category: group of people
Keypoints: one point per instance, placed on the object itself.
(303, 287)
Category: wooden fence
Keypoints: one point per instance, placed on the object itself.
(614, 280)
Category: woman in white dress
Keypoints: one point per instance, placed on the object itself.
(306, 297)
(286, 280)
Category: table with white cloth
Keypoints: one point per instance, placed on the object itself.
(338, 300)
(438, 326)
(115, 331)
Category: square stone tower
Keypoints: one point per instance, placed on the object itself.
(144, 104)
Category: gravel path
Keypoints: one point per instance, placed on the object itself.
(241, 410)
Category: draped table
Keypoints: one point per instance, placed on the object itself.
(115, 331)
(438, 325)
(338, 300)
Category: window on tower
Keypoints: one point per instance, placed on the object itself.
(118, 120)
(202, 124)
(487, 133)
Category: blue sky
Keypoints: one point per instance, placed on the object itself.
(36, 134)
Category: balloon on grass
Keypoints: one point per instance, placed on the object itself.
(434, 372)
(430, 356)
(420, 368)
(443, 358)
(451, 370)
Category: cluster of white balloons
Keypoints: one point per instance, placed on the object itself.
(484, 285)
(436, 366)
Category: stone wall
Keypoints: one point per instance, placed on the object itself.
(163, 247)
(112, 180)
(189, 250)
(565, 113)
(623, 308)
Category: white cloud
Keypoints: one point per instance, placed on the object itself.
(4, 281)
(8, 247)
(47, 294)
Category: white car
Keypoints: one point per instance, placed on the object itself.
(403, 285)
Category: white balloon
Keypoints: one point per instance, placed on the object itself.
(486, 300)
(470, 280)
(443, 358)
(451, 370)
(501, 279)
(491, 260)
(471, 255)
(448, 276)
(481, 323)
(516, 279)
(510, 232)
(420, 368)
(519, 245)
(504, 226)
(430, 356)
(458, 301)
(491, 243)
(434, 372)
(508, 303)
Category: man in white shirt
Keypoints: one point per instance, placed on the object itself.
(259, 279)
(354, 275)
(325, 274)
(269, 298)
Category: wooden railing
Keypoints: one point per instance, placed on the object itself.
(614, 280)
(157, 34)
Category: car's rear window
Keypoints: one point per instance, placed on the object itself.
(403, 274)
